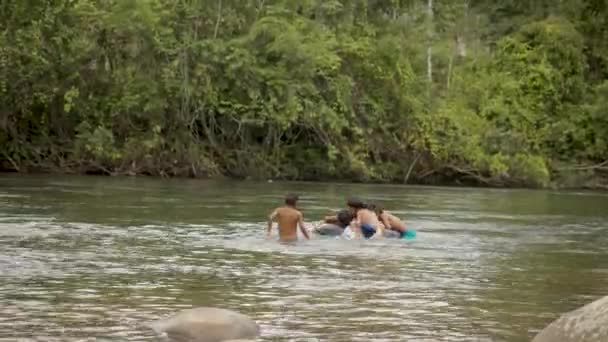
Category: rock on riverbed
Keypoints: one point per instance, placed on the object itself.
(586, 324)
(207, 324)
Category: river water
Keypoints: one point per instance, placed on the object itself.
(97, 258)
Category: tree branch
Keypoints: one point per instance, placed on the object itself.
(219, 18)
(259, 10)
(409, 171)
(601, 166)
(12, 162)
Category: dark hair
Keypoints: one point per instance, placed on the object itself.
(291, 199)
(375, 208)
(379, 210)
(345, 217)
(355, 203)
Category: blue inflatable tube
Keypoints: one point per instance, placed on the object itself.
(329, 229)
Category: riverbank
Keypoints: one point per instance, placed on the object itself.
(575, 182)
(308, 91)
(90, 256)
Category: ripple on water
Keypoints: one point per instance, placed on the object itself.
(471, 275)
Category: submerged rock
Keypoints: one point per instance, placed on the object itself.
(207, 324)
(586, 324)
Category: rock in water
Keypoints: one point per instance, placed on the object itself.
(207, 325)
(586, 324)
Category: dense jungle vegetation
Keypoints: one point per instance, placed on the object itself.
(501, 93)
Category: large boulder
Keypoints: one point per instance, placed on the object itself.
(586, 324)
(207, 324)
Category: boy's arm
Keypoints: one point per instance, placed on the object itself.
(331, 219)
(385, 221)
(302, 228)
(271, 218)
(379, 232)
(355, 225)
(380, 229)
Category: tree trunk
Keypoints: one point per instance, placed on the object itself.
(449, 72)
(461, 46)
(429, 51)
(219, 19)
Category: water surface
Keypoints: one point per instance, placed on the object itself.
(85, 258)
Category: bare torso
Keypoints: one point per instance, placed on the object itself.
(394, 222)
(287, 219)
(367, 216)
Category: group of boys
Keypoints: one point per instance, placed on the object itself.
(359, 220)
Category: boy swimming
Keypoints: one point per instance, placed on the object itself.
(342, 219)
(365, 221)
(288, 218)
(391, 221)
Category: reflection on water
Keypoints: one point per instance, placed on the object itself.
(92, 257)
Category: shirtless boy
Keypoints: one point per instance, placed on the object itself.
(366, 222)
(342, 218)
(390, 221)
(288, 219)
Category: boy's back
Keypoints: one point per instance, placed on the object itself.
(389, 220)
(366, 216)
(366, 221)
(394, 222)
(288, 218)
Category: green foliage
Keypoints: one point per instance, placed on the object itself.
(529, 170)
(307, 89)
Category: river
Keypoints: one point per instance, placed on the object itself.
(96, 258)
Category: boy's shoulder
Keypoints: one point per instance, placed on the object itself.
(288, 209)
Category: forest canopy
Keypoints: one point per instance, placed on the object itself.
(509, 93)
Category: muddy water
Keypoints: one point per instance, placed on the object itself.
(96, 258)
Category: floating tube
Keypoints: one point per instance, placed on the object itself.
(329, 229)
(391, 234)
(410, 234)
